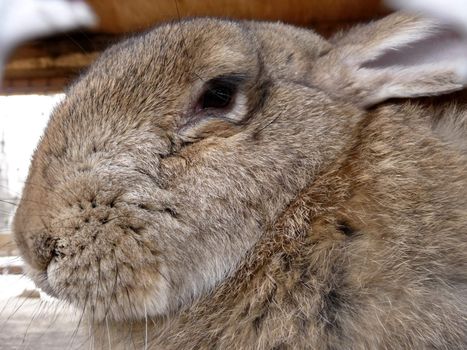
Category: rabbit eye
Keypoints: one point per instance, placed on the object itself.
(218, 97)
(219, 94)
(221, 103)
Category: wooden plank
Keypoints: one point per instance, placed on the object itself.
(128, 16)
(48, 65)
(34, 86)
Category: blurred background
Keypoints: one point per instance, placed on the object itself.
(36, 73)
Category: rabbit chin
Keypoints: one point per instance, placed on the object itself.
(112, 300)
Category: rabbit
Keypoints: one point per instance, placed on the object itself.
(251, 185)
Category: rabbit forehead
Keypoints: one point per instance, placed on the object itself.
(179, 53)
(205, 45)
(154, 74)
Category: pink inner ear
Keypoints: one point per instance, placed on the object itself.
(446, 45)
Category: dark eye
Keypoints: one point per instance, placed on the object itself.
(218, 94)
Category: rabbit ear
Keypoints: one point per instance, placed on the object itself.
(398, 56)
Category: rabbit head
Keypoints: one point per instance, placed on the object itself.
(173, 153)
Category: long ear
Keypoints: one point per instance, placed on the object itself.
(398, 56)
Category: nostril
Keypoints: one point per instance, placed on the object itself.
(172, 212)
(135, 229)
(83, 168)
(58, 254)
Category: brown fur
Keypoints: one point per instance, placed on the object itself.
(308, 223)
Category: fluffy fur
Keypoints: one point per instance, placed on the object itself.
(295, 219)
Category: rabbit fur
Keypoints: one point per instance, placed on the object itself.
(310, 211)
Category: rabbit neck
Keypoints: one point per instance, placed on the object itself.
(280, 278)
(354, 255)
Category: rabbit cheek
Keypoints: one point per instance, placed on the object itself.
(97, 251)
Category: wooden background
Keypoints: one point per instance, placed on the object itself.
(48, 65)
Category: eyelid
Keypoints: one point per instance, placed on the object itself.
(235, 115)
(231, 79)
(197, 121)
(240, 108)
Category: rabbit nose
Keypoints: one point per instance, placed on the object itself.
(44, 249)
